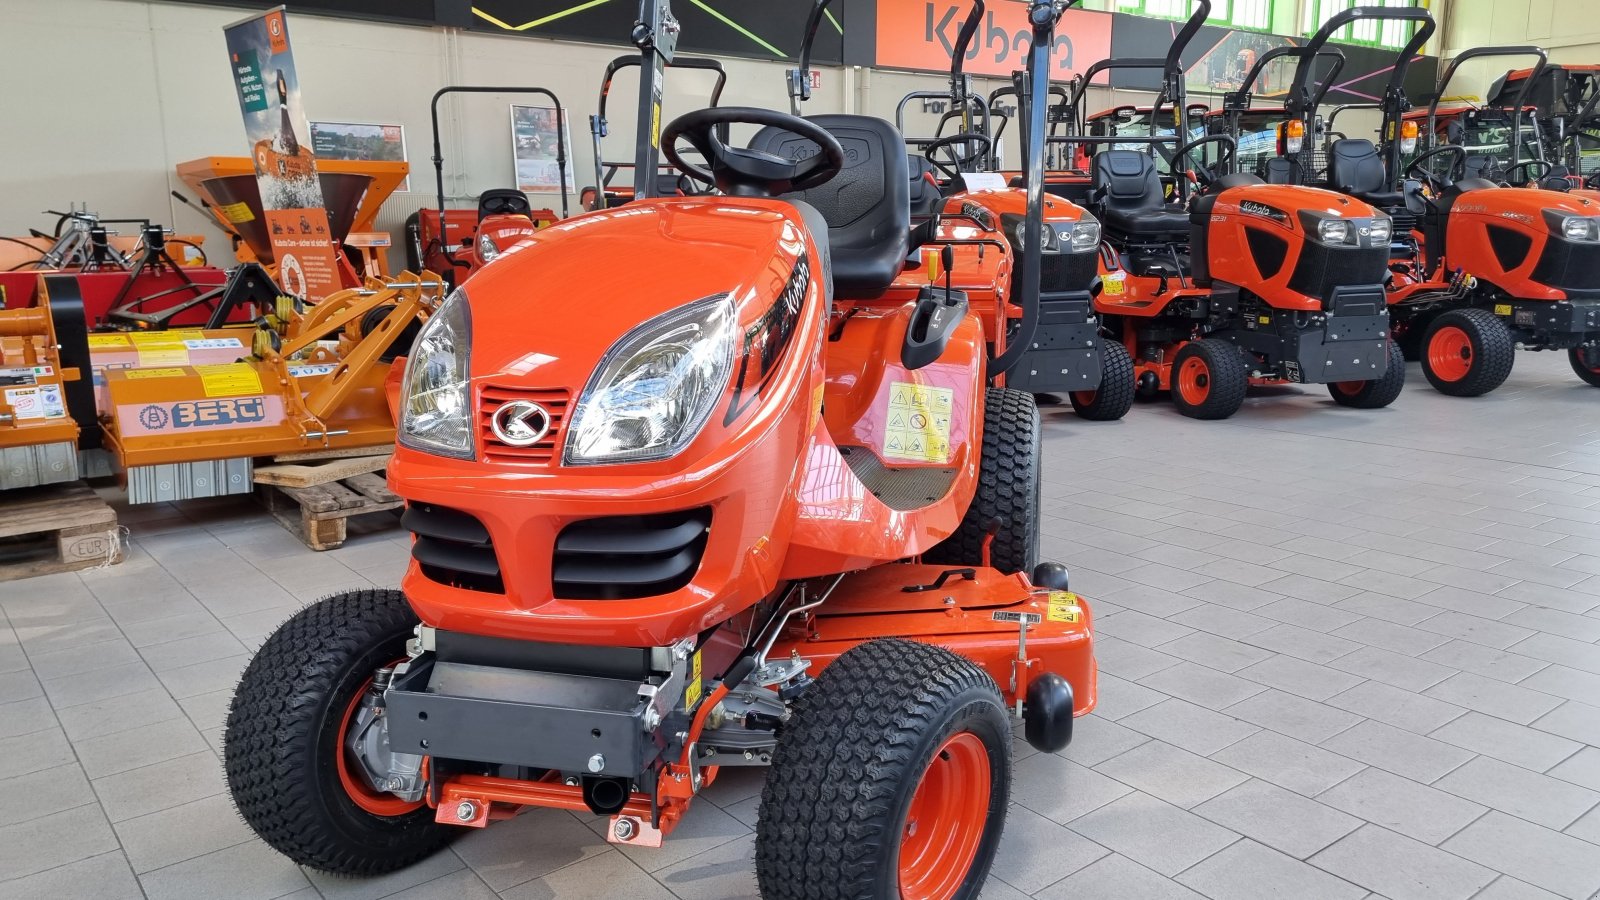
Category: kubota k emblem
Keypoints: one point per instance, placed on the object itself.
(520, 423)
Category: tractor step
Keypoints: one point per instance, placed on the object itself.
(318, 514)
(59, 528)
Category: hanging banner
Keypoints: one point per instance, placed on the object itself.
(921, 34)
(280, 144)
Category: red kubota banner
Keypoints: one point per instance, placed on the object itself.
(921, 34)
(280, 143)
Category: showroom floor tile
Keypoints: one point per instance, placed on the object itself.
(1344, 654)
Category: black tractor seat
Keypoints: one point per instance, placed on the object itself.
(1126, 189)
(927, 198)
(866, 207)
(1355, 168)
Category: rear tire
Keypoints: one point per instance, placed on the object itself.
(1008, 490)
(1467, 353)
(1581, 363)
(1209, 379)
(897, 742)
(1114, 397)
(1377, 393)
(281, 750)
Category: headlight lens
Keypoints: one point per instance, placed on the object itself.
(1580, 228)
(1333, 231)
(1085, 236)
(436, 388)
(656, 387)
(487, 251)
(1382, 230)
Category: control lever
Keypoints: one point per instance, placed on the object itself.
(936, 314)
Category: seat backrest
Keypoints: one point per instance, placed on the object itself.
(1479, 165)
(926, 197)
(867, 205)
(1127, 180)
(1354, 167)
(1281, 170)
(503, 202)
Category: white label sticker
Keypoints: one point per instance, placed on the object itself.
(25, 403)
(214, 344)
(50, 400)
(308, 371)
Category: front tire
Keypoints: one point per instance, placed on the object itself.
(1007, 499)
(1586, 363)
(1377, 393)
(890, 780)
(283, 751)
(1209, 379)
(1114, 397)
(1467, 353)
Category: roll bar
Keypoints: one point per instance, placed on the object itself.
(1240, 100)
(799, 78)
(598, 125)
(1394, 104)
(561, 136)
(656, 35)
(1541, 60)
(962, 100)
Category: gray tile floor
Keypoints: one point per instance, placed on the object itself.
(1344, 654)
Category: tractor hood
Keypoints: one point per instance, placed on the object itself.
(1527, 206)
(549, 309)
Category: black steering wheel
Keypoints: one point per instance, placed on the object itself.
(1545, 168)
(1224, 159)
(1458, 167)
(741, 171)
(978, 146)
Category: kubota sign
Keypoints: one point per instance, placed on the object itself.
(921, 34)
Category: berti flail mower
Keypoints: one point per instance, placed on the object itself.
(1478, 269)
(1243, 282)
(739, 504)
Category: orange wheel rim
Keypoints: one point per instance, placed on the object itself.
(1194, 381)
(1450, 353)
(360, 793)
(1084, 398)
(1349, 388)
(945, 823)
(1589, 359)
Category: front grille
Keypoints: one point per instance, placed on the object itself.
(627, 557)
(1064, 272)
(1567, 265)
(492, 397)
(452, 548)
(1321, 268)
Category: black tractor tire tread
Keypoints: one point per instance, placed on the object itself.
(827, 827)
(1494, 352)
(1379, 392)
(1114, 397)
(1229, 379)
(281, 705)
(1590, 376)
(1008, 489)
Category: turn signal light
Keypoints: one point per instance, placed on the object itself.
(1294, 134)
(1408, 138)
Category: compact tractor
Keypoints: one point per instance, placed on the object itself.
(753, 500)
(1234, 281)
(1477, 269)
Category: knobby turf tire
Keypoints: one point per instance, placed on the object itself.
(1493, 352)
(1114, 397)
(1379, 392)
(1581, 367)
(1008, 489)
(1229, 380)
(281, 736)
(850, 758)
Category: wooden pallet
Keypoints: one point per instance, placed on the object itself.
(318, 514)
(59, 528)
(322, 471)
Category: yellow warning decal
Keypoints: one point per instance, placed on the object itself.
(918, 422)
(229, 379)
(1264, 320)
(165, 338)
(151, 355)
(108, 341)
(655, 125)
(1502, 309)
(237, 213)
(1114, 283)
(691, 693)
(153, 373)
(1064, 607)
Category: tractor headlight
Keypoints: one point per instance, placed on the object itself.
(436, 389)
(487, 251)
(1085, 235)
(1381, 231)
(656, 387)
(1333, 231)
(1580, 228)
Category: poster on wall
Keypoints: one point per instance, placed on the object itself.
(533, 147)
(358, 141)
(922, 34)
(280, 144)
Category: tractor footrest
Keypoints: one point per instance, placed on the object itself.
(544, 720)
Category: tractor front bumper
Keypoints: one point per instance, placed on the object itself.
(1551, 325)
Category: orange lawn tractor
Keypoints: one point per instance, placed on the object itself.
(1478, 269)
(756, 508)
(1241, 282)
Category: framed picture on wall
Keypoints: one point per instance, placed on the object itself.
(533, 148)
(352, 140)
